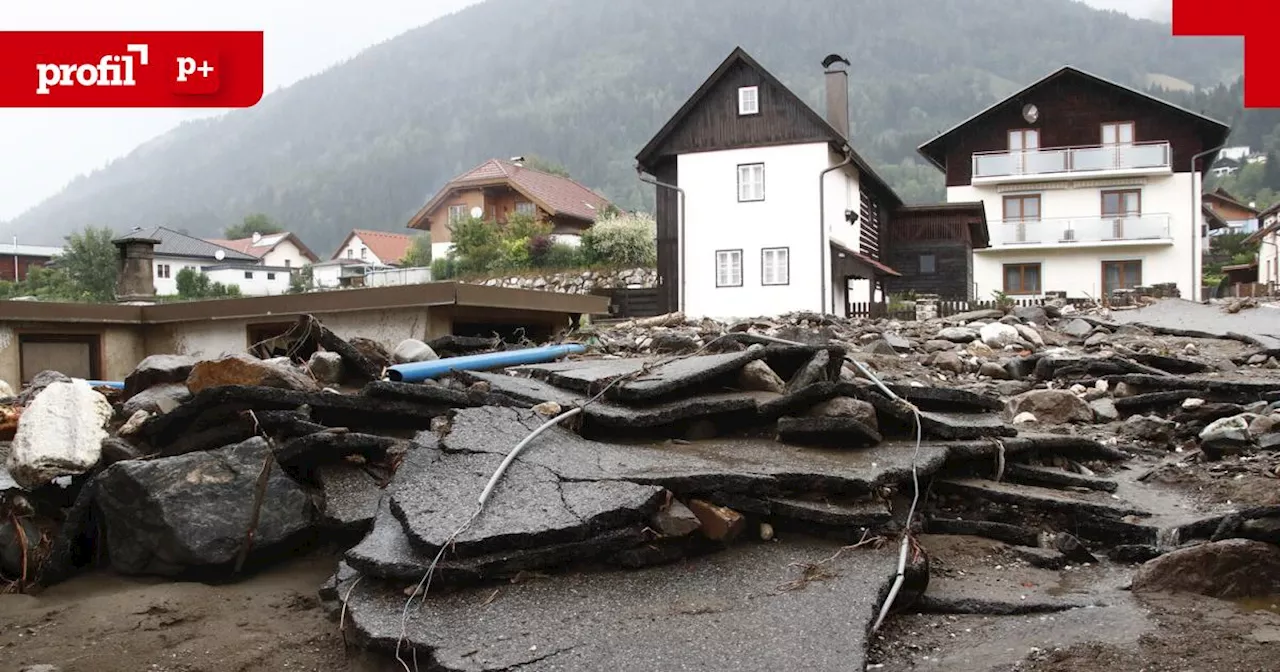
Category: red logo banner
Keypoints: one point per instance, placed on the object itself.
(126, 69)
(1250, 19)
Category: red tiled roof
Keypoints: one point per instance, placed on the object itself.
(264, 245)
(388, 247)
(553, 193)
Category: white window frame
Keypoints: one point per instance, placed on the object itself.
(529, 206)
(364, 253)
(775, 266)
(728, 268)
(750, 182)
(457, 213)
(748, 100)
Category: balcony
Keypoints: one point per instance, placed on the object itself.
(1146, 229)
(1145, 158)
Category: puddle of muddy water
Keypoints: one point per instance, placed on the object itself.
(1251, 604)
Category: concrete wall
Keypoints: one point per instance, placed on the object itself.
(1076, 268)
(787, 217)
(122, 347)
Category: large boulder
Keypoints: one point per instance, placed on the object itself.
(846, 407)
(998, 335)
(326, 366)
(1148, 428)
(412, 350)
(1052, 407)
(1227, 436)
(246, 370)
(1235, 568)
(60, 433)
(158, 370)
(157, 399)
(194, 511)
(757, 376)
(958, 334)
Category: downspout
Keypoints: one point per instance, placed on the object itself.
(822, 224)
(1197, 279)
(680, 232)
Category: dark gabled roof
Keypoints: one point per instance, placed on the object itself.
(935, 149)
(178, 244)
(647, 155)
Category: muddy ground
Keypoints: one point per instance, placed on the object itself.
(270, 621)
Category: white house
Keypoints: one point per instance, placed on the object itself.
(273, 249)
(177, 250)
(1089, 187)
(1268, 239)
(763, 205)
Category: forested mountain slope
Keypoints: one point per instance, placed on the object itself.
(585, 83)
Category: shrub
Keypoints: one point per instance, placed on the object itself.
(563, 255)
(443, 269)
(626, 240)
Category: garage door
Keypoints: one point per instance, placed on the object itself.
(75, 356)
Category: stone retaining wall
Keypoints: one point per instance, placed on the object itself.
(578, 282)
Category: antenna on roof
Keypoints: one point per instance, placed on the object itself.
(518, 160)
(256, 236)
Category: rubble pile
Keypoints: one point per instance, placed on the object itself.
(776, 452)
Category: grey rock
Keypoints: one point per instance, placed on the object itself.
(158, 370)
(858, 409)
(898, 343)
(1230, 569)
(998, 335)
(38, 383)
(994, 371)
(173, 514)
(1148, 428)
(1104, 410)
(1226, 436)
(1096, 340)
(412, 350)
(675, 520)
(973, 316)
(938, 346)
(958, 334)
(950, 362)
(758, 376)
(813, 372)
(326, 366)
(880, 347)
(1032, 314)
(117, 450)
(1012, 388)
(1076, 328)
(1030, 335)
(1263, 424)
(157, 399)
(1071, 548)
(1269, 441)
(1053, 407)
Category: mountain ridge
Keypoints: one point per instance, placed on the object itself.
(366, 142)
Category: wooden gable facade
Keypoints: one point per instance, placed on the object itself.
(931, 246)
(1073, 105)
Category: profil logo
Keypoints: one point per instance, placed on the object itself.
(120, 69)
(1254, 20)
(110, 70)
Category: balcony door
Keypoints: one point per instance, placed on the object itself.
(1117, 143)
(1021, 213)
(1119, 206)
(1022, 142)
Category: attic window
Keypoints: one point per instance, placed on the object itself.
(749, 100)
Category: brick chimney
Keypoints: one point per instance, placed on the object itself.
(136, 254)
(837, 93)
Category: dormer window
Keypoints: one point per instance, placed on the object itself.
(749, 100)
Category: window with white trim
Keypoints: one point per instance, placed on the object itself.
(728, 268)
(526, 208)
(457, 213)
(751, 182)
(749, 100)
(775, 266)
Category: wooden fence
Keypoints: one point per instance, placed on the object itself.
(907, 311)
(633, 302)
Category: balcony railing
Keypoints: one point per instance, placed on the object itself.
(1074, 230)
(1153, 156)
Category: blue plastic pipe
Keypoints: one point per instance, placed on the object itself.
(105, 383)
(420, 371)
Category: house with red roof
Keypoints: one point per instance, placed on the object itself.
(496, 189)
(363, 250)
(272, 249)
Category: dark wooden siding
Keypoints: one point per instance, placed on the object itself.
(714, 123)
(668, 216)
(953, 270)
(869, 224)
(24, 264)
(1072, 111)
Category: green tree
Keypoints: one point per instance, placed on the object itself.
(629, 240)
(256, 223)
(89, 260)
(302, 281)
(193, 284)
(419, 253)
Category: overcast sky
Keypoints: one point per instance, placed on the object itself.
(42, 150)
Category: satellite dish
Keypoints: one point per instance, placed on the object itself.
(256, 236)
(219, 255)
(476, 212)
(1031, 113)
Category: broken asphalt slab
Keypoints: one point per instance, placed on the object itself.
(730, 464)
(682, 375)
(1262, 324)
(745, 608)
